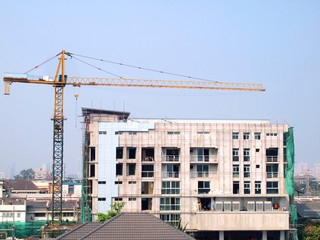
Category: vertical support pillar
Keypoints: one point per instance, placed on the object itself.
(221, 235)
(264, 235)
(282, 235)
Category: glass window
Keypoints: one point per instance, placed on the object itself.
(235, 171)
(246, 136)
(235, 135)
(235, 154)
(119, 152)
(170, 218)
(246, 170)
(203, 170)
(147, 170)
(246, 154)
(236, 187)
(170, 187)
(257, 187)
(272, 187)
(203, 187)
(169, 204)
(257, 136)
(246, 187)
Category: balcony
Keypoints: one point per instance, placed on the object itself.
(200, 174)
(272, 159)
(240, 221)
(272, 174)
(170, 158)
(147, 174)
(199, 158)
(170, 174)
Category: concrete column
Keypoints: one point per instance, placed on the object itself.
(264, 235)
(221, 235)
(282, 235)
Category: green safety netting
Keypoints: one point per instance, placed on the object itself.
(290, 177)
(23, 229)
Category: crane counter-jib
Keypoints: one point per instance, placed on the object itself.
(124, 82)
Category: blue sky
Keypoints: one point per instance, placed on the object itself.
(275, 43)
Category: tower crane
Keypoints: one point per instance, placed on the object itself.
(61, 80)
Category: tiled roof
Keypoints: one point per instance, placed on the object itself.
(44, 204)
(308, 208)
(80, 231)
(22, 185)
(124, 226)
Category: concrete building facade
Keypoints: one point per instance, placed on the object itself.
(218, 176)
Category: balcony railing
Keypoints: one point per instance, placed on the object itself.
(199, 158)
(147, 173)
(200, 174)
(272, 175)
(272, 159)
(170, 174)
(147, 159)
(170, 158)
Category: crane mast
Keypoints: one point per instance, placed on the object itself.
(61, 80)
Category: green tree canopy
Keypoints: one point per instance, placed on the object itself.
(27, 174)
(115, 210)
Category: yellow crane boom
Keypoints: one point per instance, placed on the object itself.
(60, 81)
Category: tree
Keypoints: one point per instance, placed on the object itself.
(27, 174)
(115, 210)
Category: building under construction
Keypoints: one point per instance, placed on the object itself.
(221, 177)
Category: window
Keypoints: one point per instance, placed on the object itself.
(235, 171)
(246, 136)
(67, 214)
(119, 152)
(146, 204)
(236, 187)
(118, 132)
(246, 187)
(169, 204)
(235, 135)
(92, 153)
(117, 199)
(102, 132)
(246, 154)
(170, 187)
(147, 187)
(172, 171)
(272, 187)
(92, 170)
(272, 170)
(235, 154)
(131, 169)
(39, 214)
(102, 199)
(246, 170)
(257, 136)
(147, 170)
(132, 133)
(118, 182)
(119, 169)
(203, 187)
(71, 188)
(257, 150)
(172, 219)
(147, 155)
(203, 170)
(18, 215)
(257, 166)
(132, 182)
(272, 134)
(257, 187)
(203, 132)
(173, 133)
(132, 199)
(131, 153)
(102, 182)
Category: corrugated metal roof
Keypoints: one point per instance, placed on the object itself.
(308, 209)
